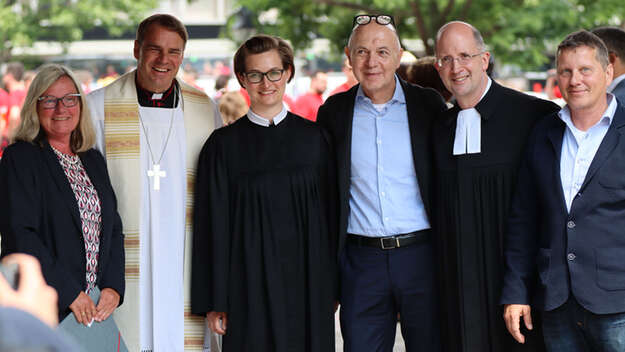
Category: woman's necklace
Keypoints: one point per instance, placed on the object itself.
(70, 159)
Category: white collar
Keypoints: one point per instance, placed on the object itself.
(608, 115)
(259, 120)
(488, 84)
(615, 82)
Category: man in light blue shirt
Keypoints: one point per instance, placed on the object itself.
(380, 129)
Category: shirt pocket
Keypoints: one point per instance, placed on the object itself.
(610, 268)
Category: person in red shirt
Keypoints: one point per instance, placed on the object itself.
(12, 80)
(308, 103)
(4, 121)
(349, 76)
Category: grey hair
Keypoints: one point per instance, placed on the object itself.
(29, 129)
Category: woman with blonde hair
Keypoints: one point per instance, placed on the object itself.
(57, 200)
(232, 106)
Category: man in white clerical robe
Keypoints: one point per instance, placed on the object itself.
(150, 127)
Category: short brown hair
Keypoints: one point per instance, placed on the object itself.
(585, 38)
(16, 69)
(164, 20)
(423, 73)
(259, 44)
(613, 38)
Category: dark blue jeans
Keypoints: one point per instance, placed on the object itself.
(571, 328)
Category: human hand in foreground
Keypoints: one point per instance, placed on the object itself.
(83, 308)
(109, 300)
(217, 321)
(33, 295)
(512, 315)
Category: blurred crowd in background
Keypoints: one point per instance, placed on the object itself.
(304, 94)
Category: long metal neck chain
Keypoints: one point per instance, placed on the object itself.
(171, 123)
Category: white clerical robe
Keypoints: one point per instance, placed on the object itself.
(162, 231)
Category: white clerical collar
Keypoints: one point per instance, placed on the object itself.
(468, 138)
(615, 82)
(259, 120)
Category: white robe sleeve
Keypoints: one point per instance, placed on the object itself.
(95, 102)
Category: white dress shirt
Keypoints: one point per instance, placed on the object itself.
(579, 149)
(615, 82)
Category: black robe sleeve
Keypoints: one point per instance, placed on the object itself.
(211, 240)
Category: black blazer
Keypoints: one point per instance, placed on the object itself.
(336, 116)
(580, 253)
(39, 215)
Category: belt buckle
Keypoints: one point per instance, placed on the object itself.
(393, 245)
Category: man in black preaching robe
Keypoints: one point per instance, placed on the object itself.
(264, 247)
(477, 149)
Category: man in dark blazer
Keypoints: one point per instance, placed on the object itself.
(380, 129)
(568, 215)
(614, 40)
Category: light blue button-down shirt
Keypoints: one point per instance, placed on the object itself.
(384, 196)
(579, 148)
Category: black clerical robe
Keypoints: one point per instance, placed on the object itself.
(264, 244)
(472, 200)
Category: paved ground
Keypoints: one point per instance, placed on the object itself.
(399, 342)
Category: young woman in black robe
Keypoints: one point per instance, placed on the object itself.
(264, 246)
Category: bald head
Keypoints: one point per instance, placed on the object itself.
(373, 26)
(461, 27)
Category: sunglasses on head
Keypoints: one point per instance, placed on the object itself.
(379, 19)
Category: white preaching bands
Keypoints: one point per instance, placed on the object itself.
(469, 130)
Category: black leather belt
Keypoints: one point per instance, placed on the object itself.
(390, 242)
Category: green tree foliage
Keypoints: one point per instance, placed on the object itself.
(523, 32)
(24, 21)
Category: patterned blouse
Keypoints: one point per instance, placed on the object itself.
(89, 207)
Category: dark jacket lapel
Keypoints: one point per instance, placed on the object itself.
(58, 175)
(555, 134)
(345, 121)
(608, 145)
(419, 130)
